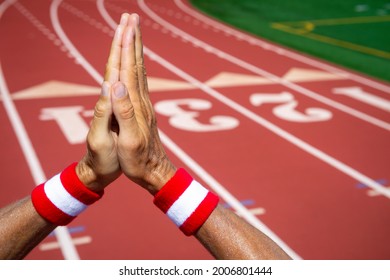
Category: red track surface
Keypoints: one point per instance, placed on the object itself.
(305, 177)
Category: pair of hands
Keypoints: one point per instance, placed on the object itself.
(123, 136)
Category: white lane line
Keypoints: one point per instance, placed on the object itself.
(202, 173)
(358, 94)
(267, 46)
(74, 52)
(5, 5)
(223, 55)
(64, 239)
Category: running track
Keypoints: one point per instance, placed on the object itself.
(298, 147)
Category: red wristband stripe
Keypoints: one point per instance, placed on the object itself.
(172, 190)
(63, 197)
(186, 202)
(200, 214)
(47, 209)
(76, 188)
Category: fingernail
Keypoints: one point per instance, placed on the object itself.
(119, 90)
(105, 88)
(136, 18)
(124, 19)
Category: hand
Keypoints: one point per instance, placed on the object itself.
(100, 166)
(140, 153)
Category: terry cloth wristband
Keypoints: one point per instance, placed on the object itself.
(63, 197)
(186, 202)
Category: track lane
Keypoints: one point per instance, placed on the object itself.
(189, 18)
(272, 71)
(35, 167)
(195, 15)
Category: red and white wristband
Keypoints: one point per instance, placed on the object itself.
(186, 202)
(63, 197)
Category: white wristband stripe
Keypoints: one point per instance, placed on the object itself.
(187, 203)
(59, 196)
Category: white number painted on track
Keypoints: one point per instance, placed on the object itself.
(72, 124)
(363, 96)
(287, 111)
(186, 120)
(70, 121)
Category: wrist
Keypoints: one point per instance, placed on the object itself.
(88, 176)
(63, 197)
(160, 177)
(186, 202)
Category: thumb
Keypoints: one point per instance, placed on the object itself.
(123, 109)
(101, 121)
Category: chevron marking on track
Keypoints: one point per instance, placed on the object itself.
(56, 89)
(52, 89)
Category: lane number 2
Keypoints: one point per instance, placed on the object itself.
(287, 108)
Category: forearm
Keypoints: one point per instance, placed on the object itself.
(24, 224)
(21, 229)
(227, 236)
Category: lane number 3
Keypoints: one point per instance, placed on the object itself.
(187, 119)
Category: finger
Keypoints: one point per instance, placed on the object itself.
(101, 122)
(113, 64)
(138, 40)
(141, 71)
(128, 72)
(123, 110)
(139, 56)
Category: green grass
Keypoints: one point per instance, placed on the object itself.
(360, 42)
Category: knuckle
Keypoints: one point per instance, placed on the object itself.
(93, 145)
(141, 70)
(100, 109)
(127, 111)
(135, 145)
(96, 144)
(135, 71)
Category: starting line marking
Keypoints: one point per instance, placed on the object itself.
(55, 245)
(247, 202)
(374, 193)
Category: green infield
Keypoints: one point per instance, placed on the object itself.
(352, 33)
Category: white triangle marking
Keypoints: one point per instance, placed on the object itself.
(228, 79)
(54, 89)
(159, 84)
(308, 75)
